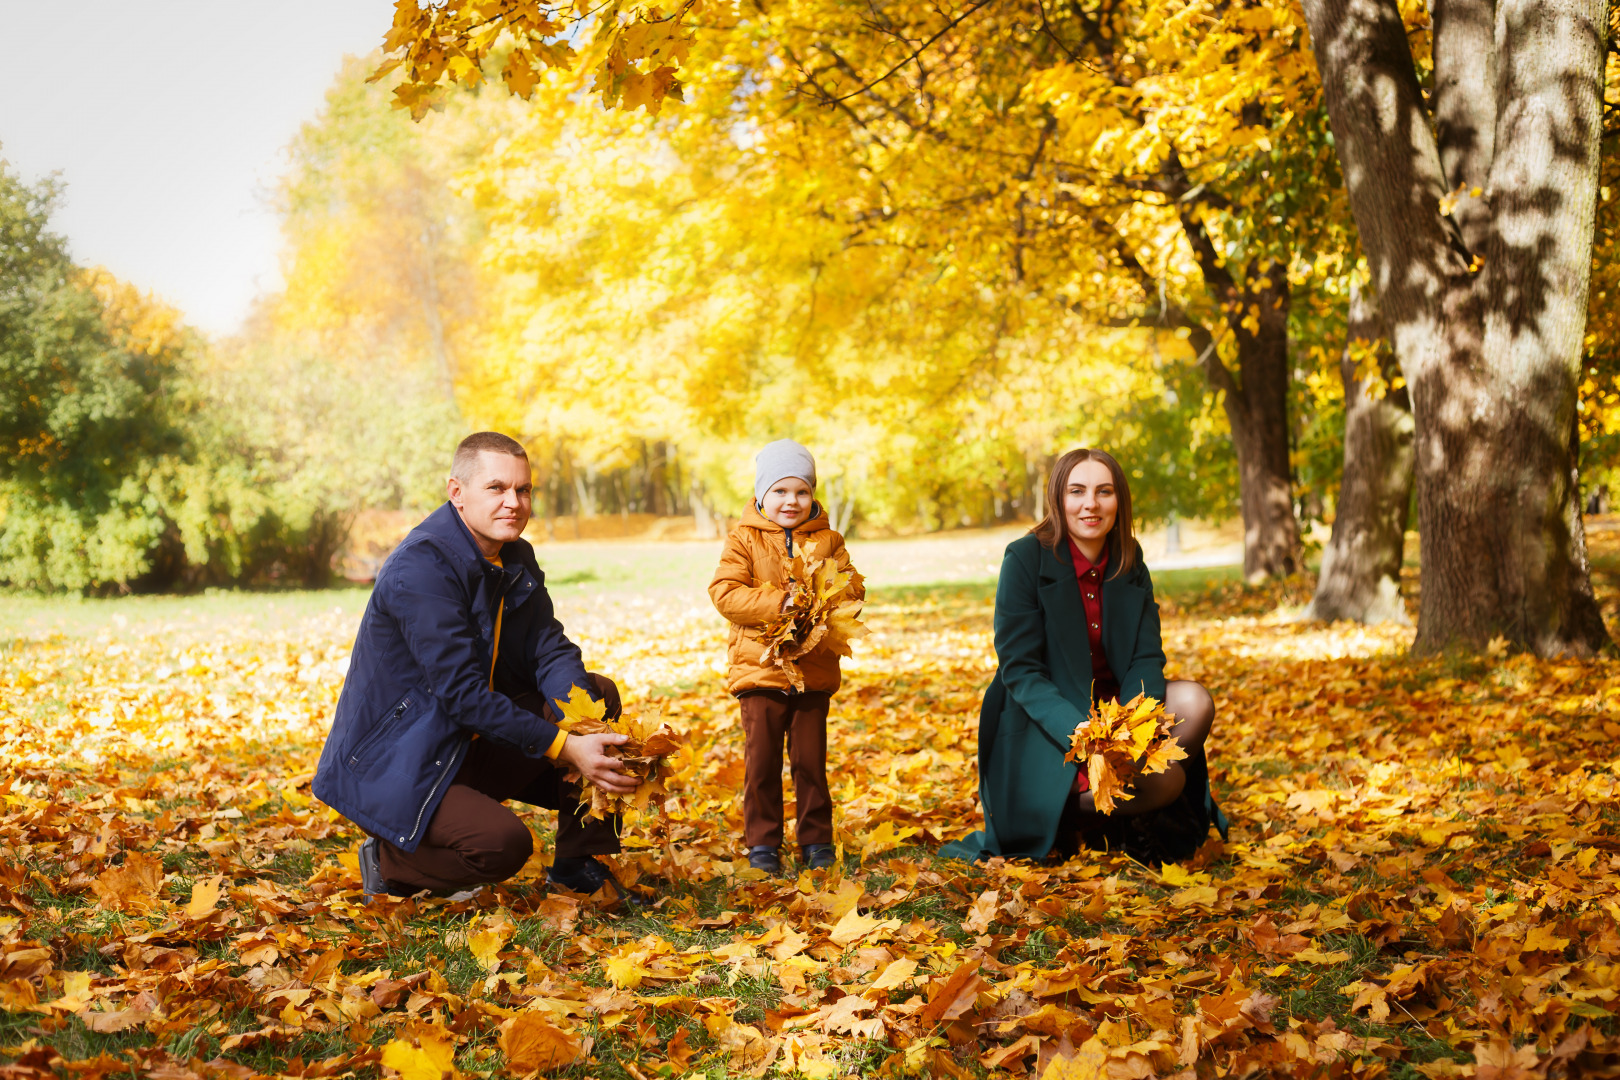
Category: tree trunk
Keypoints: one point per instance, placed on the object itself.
(1361, 565)
(1256, 403)
(1258, 416)
(1486, 320)
(840, 504)
(704, 525)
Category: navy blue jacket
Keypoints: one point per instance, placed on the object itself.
(418, 681)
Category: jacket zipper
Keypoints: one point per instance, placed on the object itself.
(431, 791)
(789, 534)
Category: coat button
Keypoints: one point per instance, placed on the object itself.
(438, 763)
(530, 749)
(402, 839)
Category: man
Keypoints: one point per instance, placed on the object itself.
(444, 713)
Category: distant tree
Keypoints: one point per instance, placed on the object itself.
(1138, 166)
(84, 413)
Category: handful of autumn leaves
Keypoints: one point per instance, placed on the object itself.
(820, 612)
(642, 757)
(1115, 738)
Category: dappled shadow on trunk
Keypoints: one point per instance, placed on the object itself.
(1487, 326)
(1361, 565)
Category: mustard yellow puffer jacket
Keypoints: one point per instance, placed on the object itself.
(747, 590)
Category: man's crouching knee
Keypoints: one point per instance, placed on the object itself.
(509, 848)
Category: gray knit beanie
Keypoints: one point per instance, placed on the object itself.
(782, 458)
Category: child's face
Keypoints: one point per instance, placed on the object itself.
(788, 502)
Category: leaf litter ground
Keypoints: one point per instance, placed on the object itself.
(1420, 878)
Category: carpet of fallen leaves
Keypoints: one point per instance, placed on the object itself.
(1420, 878)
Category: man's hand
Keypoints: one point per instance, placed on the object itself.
(586, 753)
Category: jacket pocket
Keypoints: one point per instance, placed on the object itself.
(361, 754)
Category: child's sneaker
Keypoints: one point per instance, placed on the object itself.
(818, 856)
(767, 859)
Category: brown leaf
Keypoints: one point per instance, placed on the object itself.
(531, 1042)
(955, 996)
(389, 992)
(132, 887)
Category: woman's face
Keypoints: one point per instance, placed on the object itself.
(1090, 503)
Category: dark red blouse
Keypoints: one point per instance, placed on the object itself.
(1090, 576)
(1103, 684)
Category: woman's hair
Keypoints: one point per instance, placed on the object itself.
(1054, 527)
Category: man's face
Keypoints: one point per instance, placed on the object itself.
(496, 501)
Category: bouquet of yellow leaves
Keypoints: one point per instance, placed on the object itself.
(642, 757)
(1115, 738)
(820, 612)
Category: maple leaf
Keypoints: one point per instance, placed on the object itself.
(131, 887)
(486, 945)
(532, 1042)
(820, 612)
(854, 926)
(982, 912)
(520, 74)
(423, 1053)
(1119, 742)
(642, 757)
(204, 897)
(1090, 1062)
(897, 974)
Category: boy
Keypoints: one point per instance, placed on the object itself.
(750, 591)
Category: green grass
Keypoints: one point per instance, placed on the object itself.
(1194, 581)
(261, 611)
(577, 572)
(1180, 585)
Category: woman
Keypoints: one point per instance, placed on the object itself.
(1075, 617)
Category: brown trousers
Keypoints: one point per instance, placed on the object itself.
(472, 839)
(769, 717)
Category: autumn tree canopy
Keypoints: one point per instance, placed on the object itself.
(1167, 165)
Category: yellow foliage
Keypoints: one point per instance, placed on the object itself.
(1120, 741)
(642, 757)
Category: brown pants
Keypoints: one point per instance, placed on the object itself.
(472, 839)
(767, 718)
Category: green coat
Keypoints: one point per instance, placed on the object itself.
(1042, 689)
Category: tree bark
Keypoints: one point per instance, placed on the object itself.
(1465, 107)
(1488, 335)
(1361, 565)
(1256, 402)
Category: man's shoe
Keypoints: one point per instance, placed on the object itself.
(584, 874)
(818, 856)
(765, 858)
(371, 877)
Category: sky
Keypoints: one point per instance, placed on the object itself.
(167, 121)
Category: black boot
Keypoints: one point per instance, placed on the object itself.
(818, 856)
(765, 858)
(584, 874)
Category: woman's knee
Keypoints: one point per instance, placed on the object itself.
(1194, 709)
(1155, 791)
